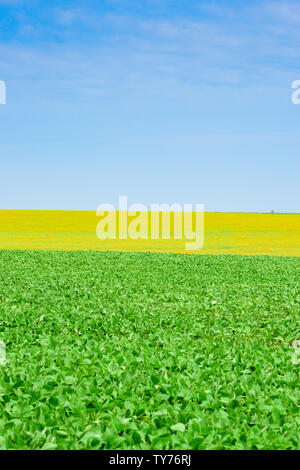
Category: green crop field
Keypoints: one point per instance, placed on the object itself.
(148, 351)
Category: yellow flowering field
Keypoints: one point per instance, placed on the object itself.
(224, 233)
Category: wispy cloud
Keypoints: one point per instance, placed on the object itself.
(284, 11)
(11, 3)
(171, 56)
(71, 16)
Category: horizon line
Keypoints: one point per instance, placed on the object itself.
(211, 211)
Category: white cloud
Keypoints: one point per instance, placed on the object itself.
(285, 11)
(69, 17)
(10, 2)
(173, 57)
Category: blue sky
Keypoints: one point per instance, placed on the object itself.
(162, 101)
